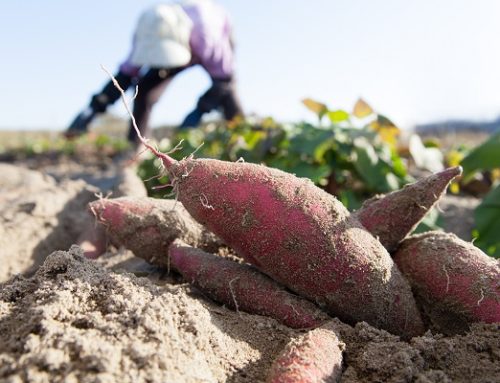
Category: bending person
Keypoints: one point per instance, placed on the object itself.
(168, 39)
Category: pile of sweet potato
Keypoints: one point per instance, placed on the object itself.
(306, 258)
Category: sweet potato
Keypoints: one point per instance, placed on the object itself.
(394, 216)
(315, 357)
(242, 287)
(92, 240)
(454, 281)
(300, 236)
(147, 226)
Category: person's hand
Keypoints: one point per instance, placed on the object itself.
(192, 120)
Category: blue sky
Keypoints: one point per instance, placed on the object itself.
(413, 61)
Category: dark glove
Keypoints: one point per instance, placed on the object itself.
(221, 95)
(192, 120)
(98, 104)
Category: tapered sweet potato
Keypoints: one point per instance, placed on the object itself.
(454, 281)
(93, 240)
(315, 357)
(147, 226)
(243, 287)
(393, 216)
(300, 236)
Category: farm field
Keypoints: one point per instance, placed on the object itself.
(133, 318)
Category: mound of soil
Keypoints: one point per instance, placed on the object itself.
(118, 318)
(75, 320)
(38, 215)
(41, 213)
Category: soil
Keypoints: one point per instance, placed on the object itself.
(119, 319)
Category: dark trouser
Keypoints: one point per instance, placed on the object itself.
(98, 104)
(222, 94)
(109, 94)
(150, 88)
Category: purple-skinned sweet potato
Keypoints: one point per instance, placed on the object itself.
(242, 287)
(147, 226)
(454, 281)
(392, 217)
(300, 236)
(314, 357)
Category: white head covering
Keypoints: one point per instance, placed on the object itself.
(162, 37)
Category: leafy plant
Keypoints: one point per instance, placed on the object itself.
(432, 221)
(487, 220)
(484, 157)
(425, 157)
(58, 145)
(352, 156)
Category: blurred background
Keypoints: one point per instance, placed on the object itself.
(360, 96)
(419, 62)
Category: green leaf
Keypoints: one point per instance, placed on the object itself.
(322, 149)
(383, 120)
(315, 106)
(386, 129)
(102, 140)
(312, 171)
(485, 157)
(431, 222)
(309, 140)
(487, 222)
(253, 138)
(350, 200)
(362, 109)
(398, 166)
(366, 149)
(425, 158)
(337, 116)
(366, 163)
(391, 181)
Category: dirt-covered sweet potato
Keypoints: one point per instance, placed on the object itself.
(392, 217)
(315, 357)
(147, 226)
(300, 236)
(454, 281)
(242, 287)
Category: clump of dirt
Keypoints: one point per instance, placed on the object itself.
(38, 216)
(374, 355)
(77, 321)
(41, 214)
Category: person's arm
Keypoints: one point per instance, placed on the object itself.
(109, 93)
(98, 104)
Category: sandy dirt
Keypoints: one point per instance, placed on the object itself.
(38, 215)
(119, 319)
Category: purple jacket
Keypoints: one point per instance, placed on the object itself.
(211, 40)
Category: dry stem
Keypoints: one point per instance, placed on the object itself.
(166, 160)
